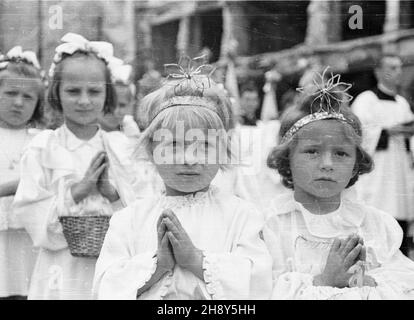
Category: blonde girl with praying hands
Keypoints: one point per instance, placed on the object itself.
(324, 243)
(74, 170)
(21, 109)
(194, 241)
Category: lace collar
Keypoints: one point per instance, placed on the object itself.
(187, 201)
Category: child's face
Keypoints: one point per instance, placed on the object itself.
(323, 161)
(83, 90)
(18, 100)
(124, 107)
(190, 163)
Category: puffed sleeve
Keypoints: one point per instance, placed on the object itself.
(119, 272)
(363, 109)
(37, 205)
(392, 271)
(245, 272)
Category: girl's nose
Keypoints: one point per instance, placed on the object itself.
(326, 162)
(83, 99)
(190, 158)
(18, 101)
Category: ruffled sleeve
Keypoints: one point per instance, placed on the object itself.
(119, 272)
(245, 272)
(393, 272)
(37, 204)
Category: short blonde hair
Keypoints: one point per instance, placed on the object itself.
(194, 116)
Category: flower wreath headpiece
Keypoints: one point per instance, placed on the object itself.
(187, 70)
(16, 54)
(326, 92)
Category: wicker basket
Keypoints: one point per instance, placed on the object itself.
(85, 234)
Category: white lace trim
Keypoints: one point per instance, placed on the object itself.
(211, 276)
(149, 275)
(166, 283)
(187, 201)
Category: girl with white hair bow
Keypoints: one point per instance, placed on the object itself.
(76, 170)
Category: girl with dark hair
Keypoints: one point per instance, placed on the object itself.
(75, 170)
(324, 243)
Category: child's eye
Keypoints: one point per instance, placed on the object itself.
(341, 154)
(11, 93)
(95, 91)
(28, 97)
(311, 151)
(72, 91)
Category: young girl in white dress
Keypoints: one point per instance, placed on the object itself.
(77, 169)
(195, 241)
(21, 108)
(325, 244)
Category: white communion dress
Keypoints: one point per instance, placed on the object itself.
(53, 161)
(17, 254)
(299, 243)
(226, 228)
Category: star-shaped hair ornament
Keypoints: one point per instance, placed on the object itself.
(327, 89)
(190, 69)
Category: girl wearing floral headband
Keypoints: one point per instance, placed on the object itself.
(21, 107)
(75, 170)
(324, 243)
(194, 241)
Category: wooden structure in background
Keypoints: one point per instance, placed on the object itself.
(283, 35)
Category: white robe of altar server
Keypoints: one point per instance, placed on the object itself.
(236, 262)
(254, 180)
(390, 186)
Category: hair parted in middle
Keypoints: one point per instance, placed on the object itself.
(53, 96)
(25, 64)
(75, 46)
(326, 100)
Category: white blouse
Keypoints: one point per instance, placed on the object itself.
(299, 243)
(236, 262)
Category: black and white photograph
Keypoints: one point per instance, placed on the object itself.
(239, 151)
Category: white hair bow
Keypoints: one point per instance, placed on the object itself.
(17, 54)
(74, 42)
(120, 72)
